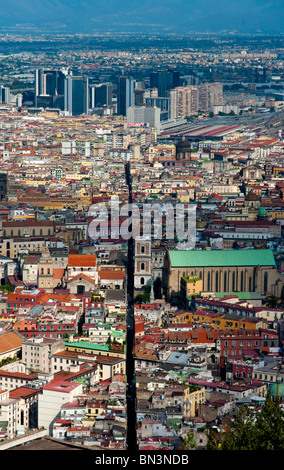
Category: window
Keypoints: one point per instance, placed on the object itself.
(234, 281)
(265, 279)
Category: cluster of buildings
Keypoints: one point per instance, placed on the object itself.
(167, 96)
(208, 320)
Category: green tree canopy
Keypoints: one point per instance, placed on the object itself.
(252, 430)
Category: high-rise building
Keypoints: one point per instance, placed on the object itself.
(4, 95)
(125, 95)
(138, 97)
(76, 95)
(184, 101)
(49, 88)
(100, 95)
(210, 94)
(144, 114)
(186, 80)
(163, 103)
(164, 81)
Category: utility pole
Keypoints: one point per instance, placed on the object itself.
(131, 436)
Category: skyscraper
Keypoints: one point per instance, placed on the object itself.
(76, 95)
(164, 81)
(210, 94)
(184, 101)
(125, 95)
(100, 95)
(49, 88)
(138, 97)
(4, 94)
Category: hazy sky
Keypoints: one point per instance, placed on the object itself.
(146, 15)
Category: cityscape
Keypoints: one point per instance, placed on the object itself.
(141, 240)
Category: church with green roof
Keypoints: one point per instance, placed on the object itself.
(223, 271)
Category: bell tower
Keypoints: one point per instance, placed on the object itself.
(142, 265)
(183, 150)
(45, 271)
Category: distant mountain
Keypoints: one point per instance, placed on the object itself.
(88, 16)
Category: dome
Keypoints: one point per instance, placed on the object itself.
(262, 211)
(252, 197)
(277, 389)
(183, 144)
(200, 224)
(165, 176)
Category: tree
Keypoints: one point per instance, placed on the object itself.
(252, 430)
(270, 426)
(272, 301)
(157, 287)
(189, 442)
(142, 298)
(214, 439)
(139, 299)
(237, 437)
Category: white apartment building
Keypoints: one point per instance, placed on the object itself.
(106, 366)
(9, 414)
(54, 395)
(27, 404)
(11, 380)
(144, 114)
(36, 352)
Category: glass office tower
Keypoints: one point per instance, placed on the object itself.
(76, 95)
(125, 95)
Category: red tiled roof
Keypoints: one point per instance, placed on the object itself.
(108, 274)
(82, 260)
(22, 392)
(31, 259)
(81, 275)
(10, 341)
(58, 273)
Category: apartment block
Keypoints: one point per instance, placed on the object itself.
(37, 352)
(184, 101)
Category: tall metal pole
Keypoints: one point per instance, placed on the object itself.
(131, 432)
